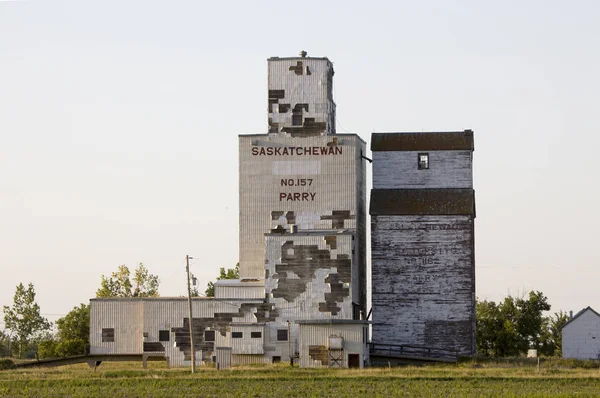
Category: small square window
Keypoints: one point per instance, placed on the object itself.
(423, 161)
(276, 359)
(237, 335)
(209, 335)
(282, 335)
(297, 118)
(164, 335)
(108, 335)
(256, 335)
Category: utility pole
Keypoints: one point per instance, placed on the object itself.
(290, 345)
(192, 348)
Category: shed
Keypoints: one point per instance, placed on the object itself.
(581, 335)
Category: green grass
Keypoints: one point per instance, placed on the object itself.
(469, 378)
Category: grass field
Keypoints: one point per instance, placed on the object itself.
(113, 380)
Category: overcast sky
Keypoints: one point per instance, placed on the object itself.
(119, 124)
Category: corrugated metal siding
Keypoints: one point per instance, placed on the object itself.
(335, 189)
(132, 317)
(318, 335)
(223, 357)
(399, 170)
(305, 299)
(314, 90)
(238, 292)
(126, 318)
(247, 344)
(361, 227)
(424, 281)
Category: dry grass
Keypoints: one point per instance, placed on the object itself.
(471, 378)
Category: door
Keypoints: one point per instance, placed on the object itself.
(353, 360)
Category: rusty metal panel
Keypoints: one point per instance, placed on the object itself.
(424, 281)
(324, 198)
(446, 169)
(432, 141)
(422, 202)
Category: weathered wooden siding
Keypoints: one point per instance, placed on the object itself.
(398, 170)
(581, 336)
(423, 281)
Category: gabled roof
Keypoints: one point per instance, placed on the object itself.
(579, 313)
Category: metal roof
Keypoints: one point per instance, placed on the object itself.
(580, 313)
(432, 141)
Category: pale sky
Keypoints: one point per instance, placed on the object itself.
(119, 124)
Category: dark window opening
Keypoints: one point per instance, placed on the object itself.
(164, 335)
(276, 94)
(108, 335)
(423, 161)
(276, 359)
(256, 335)
(209, 335)
(282, 335)
(297, 118)
(353, 360)
(237, 335)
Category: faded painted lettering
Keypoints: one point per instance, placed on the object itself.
(297, 196)
(297, 151)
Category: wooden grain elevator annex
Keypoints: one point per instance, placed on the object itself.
(423, 241)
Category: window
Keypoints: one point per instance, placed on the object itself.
(276, 359)
(108, 335)
(164, 335)
(297, 118)
(282, 335)
(423, 161)
(256, 335)
(237, 335)
(209, 335)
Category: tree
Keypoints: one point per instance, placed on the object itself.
(143, 284)
(4, 344)
(551, 342)
(531, 320)
(230, 273)
(73, 334)
(24, 318)
(513, 326)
